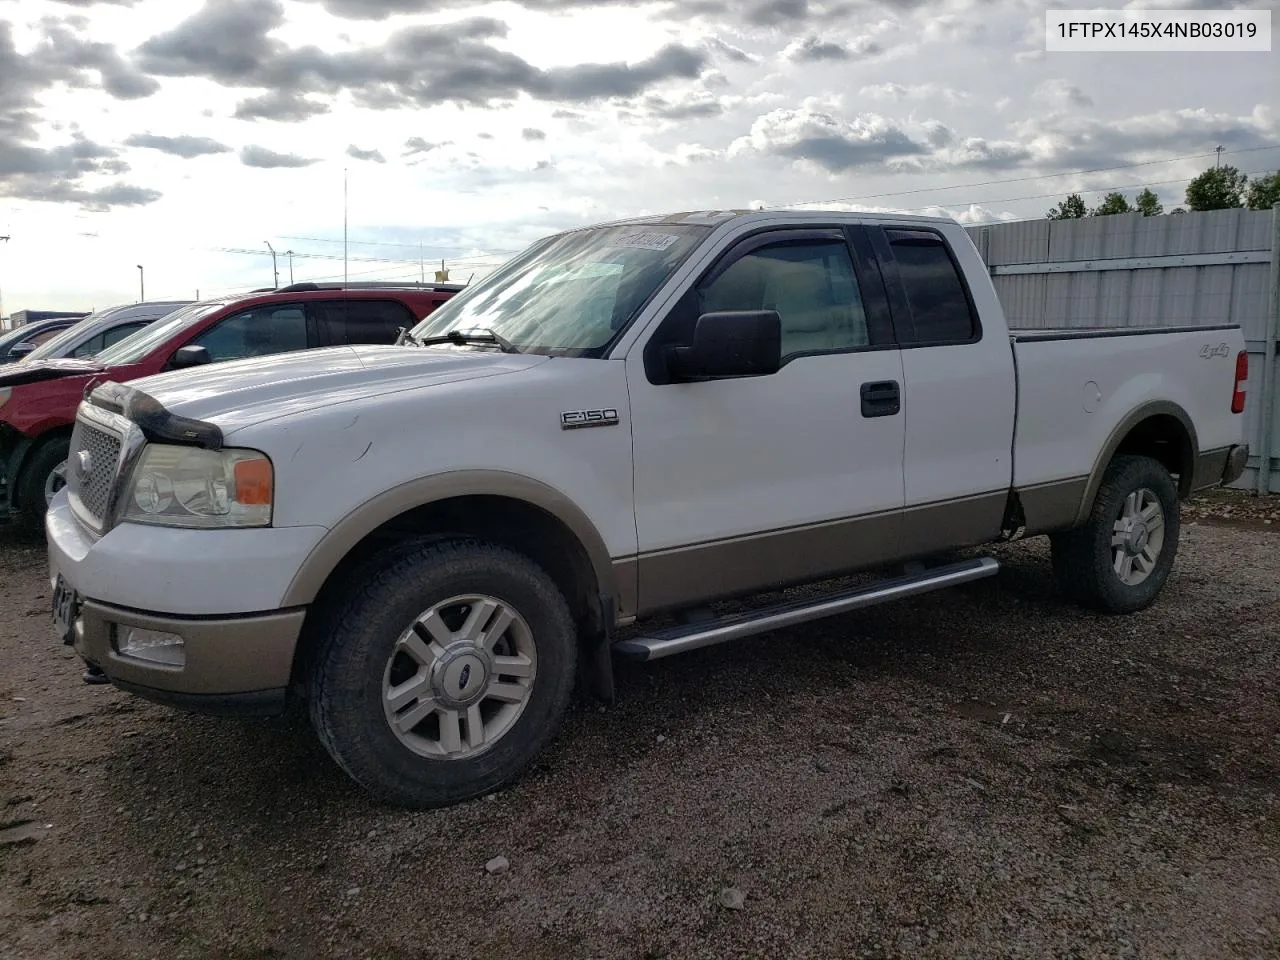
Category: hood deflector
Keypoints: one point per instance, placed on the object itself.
(157, 424)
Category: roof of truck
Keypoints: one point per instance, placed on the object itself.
(713, 218)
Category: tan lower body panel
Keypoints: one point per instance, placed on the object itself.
(1047, 507)
(226, 656)
(683, 576)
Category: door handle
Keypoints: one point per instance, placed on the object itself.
(881, 398)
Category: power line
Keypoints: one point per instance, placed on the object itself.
(988, 183)
(388, 243)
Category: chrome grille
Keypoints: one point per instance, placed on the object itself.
(93, 488)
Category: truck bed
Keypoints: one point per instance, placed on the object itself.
(1080, 390)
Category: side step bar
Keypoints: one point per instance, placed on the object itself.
(665, 643)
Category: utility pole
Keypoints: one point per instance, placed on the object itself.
(142, 285)
(274, 272)
(1218, 163)
(289, 254)
(6, 239)
(344, 228)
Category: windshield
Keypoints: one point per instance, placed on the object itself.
(136, 347)
(51, 346)
(570, 295)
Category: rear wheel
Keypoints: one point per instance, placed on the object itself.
(43, 476)
(444, 673)
(1119, 561)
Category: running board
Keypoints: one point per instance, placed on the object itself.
(665, 643)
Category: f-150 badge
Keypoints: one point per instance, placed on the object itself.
(575, 419)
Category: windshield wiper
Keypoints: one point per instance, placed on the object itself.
(471, 336)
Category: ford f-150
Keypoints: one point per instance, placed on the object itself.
(431, 542)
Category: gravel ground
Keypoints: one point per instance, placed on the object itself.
(980, 773)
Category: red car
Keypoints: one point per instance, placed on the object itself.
(38, 400)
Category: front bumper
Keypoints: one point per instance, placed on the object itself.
(237, 665)
(211, 598)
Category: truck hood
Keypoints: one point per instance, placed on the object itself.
(16, 374)
(238, 393)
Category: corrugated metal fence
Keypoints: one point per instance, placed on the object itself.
(1133, 271)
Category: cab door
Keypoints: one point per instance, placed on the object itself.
(751, 482)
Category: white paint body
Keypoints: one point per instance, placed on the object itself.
(687, 463)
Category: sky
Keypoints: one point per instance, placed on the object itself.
(184, 136)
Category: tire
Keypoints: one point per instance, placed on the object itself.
(31, 485)
(1091, 569)
(370, 647)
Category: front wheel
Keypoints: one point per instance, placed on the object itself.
(444, 673)
(1119, 561)
(43, 476)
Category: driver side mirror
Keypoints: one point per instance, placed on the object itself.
(730, 343)
(20, 350)
(191, 355)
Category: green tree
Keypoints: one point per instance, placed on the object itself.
(1072, 208)
(1218, 188)
(1148, 204)
(1264, 192)
(1112, 203)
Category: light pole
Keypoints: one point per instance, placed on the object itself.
(142, 285)
(289, 254)
(274, 272)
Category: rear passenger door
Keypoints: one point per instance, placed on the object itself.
(341, 322)
(959, 393)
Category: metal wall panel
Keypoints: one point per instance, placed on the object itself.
(1149, 297)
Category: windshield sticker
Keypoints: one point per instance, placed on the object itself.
(648, 241)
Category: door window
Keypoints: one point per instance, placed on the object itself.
(811, 284)
(361, 321)
(940, 308)
(258, 332)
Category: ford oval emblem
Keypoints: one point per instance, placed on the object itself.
(463, 677)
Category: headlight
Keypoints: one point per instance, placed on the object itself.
(178, 486)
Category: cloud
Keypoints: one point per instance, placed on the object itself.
(818, 137)
(417, 145)
(812, 50)
(918, 91)
(65, 172)
(533, 133)
(1059, 94)
(1086, 142)
(231, 43)
(728, 50)
(357, 154)
(183, 146)
(696, 105)
(279, 105)
(255, 156)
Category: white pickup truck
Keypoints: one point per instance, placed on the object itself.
(429, 542)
